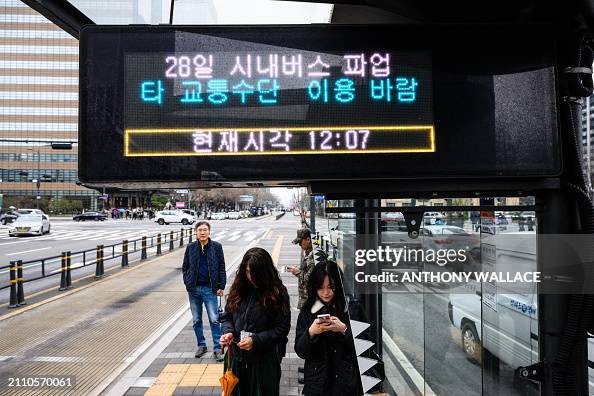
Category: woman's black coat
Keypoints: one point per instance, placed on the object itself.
(330, 357)
(270, 330)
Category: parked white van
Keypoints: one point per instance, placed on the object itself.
(503, 317)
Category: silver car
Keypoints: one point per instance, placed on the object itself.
(30, 224)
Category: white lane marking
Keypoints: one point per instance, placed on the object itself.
(72, 266)
(12, 243)
(406, 365)
(28, 251)
(249, 236)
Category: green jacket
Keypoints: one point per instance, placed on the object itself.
(307, 264)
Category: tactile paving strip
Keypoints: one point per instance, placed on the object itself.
(185, 375)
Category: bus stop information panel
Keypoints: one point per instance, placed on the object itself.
(297, 103)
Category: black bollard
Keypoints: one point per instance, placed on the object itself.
(63, 285)
(102, 260)
(143, 251)
(99, 262)
(181, 237)
(190, 235)
(68, 269)
(125, 253)
(159, 244)
(14, 302)
(170, 240)
(20, 281)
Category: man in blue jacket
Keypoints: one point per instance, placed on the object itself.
(205, 278)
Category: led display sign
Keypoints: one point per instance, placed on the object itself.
(363, 102)
(282, 104)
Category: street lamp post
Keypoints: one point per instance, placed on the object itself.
(38, 180)
(38, 183)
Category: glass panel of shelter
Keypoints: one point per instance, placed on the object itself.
(475, 334)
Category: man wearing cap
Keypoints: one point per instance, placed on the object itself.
(307, 263)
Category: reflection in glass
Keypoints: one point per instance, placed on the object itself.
(466, 338)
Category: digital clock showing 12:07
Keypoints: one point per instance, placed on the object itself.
(279, 141)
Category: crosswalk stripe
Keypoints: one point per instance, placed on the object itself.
(235, 235)
(66, 235)
(249, 236)
(90, 235)
(216, 235)
(225, 235)
(112, 235)
(120, 236)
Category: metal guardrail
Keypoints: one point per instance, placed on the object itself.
(97, 256)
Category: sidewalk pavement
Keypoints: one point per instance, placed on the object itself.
(177, 372)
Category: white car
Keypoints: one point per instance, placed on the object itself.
(30, 224)
(191, 213)
(218, 216)
(173, 216)
(31, 211)
(234, 215)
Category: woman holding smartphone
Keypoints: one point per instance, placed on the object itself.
(255, 325)
(323, 337)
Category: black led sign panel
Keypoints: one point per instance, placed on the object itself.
(298, 103)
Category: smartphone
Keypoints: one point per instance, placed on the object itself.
(243, 334)
(324, 317)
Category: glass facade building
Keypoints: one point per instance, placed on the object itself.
(38, 106)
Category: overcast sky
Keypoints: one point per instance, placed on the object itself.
(233, 12)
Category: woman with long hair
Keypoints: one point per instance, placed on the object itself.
(324, 338)
(255, 325)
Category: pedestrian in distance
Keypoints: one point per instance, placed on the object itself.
(205, 277)
(302, 272)
(324, 338)
(530, 223)
(256, 322)
(475, 219)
